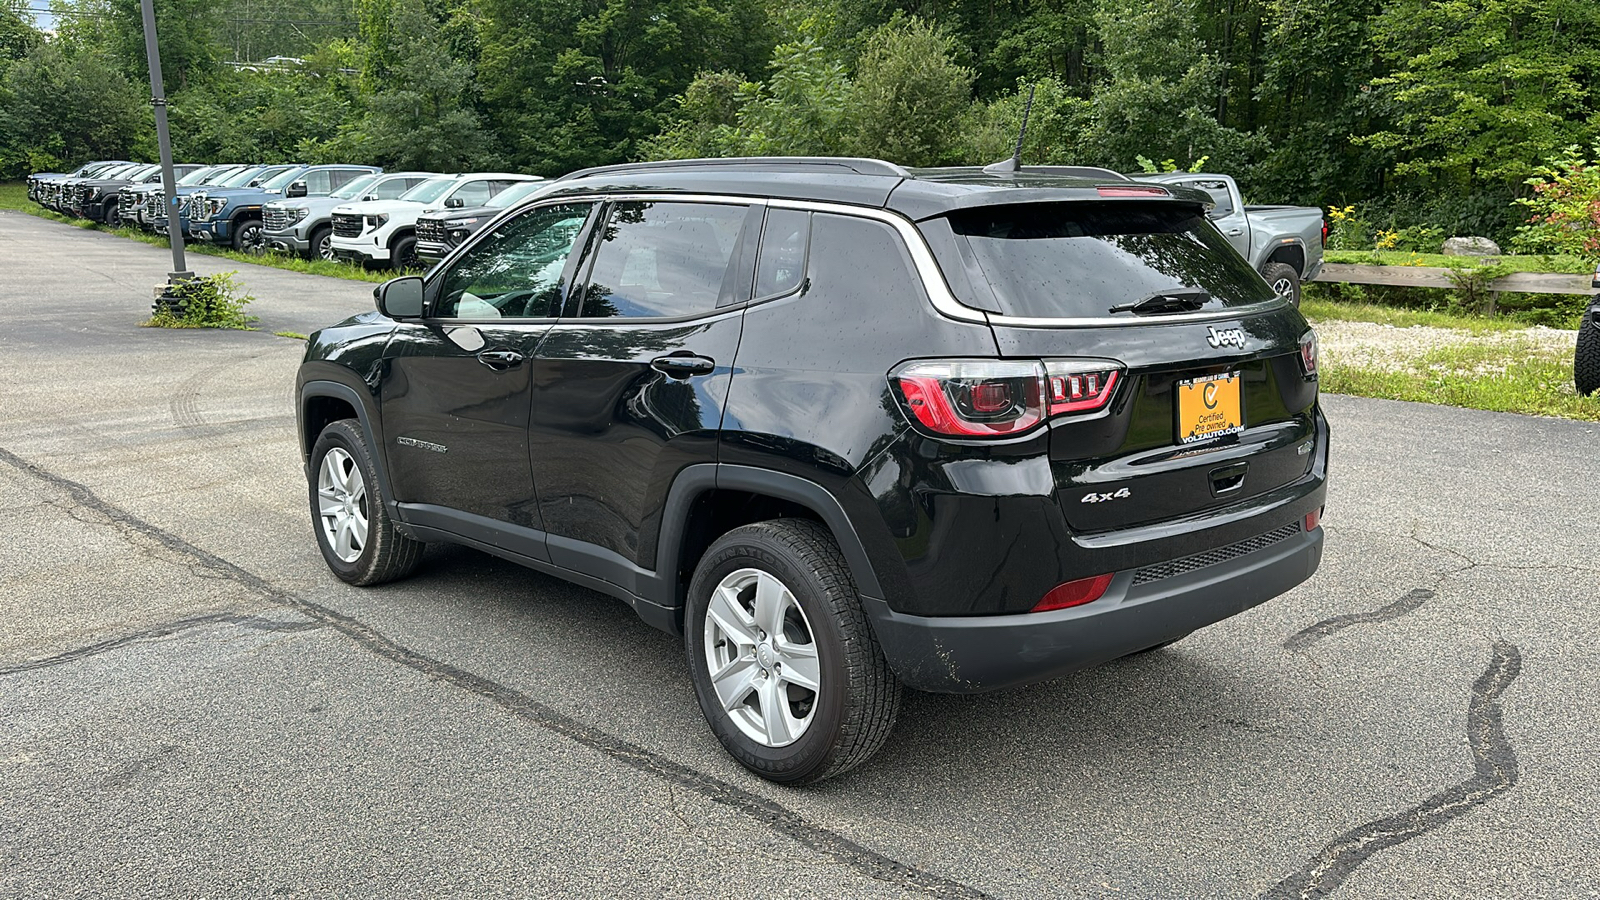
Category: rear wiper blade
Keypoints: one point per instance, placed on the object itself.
(1166, 302)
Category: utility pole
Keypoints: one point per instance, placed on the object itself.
(169, 183)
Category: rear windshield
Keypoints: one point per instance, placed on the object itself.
(1067, 260)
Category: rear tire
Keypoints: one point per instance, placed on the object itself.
(1284, 279)
(773, 607)
(1586, 359)
(348, 515)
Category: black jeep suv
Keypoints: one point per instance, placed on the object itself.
(842, 425)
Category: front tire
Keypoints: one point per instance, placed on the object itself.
(1586, 359)
(321, 244)
(1284, 279)
(354, 532)
(403, 253)
(250, 237)
(785, 665)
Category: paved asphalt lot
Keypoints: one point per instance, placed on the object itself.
(191, 705)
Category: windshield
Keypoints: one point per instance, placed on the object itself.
(222, 175)
(242, 178)
(286, 177)
(354, 188)
(429, 190)
(1066, 260)
(197, 176)
(510, 195)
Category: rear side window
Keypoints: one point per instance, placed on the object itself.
(394, 187)
(662, 260)
(319, 182)
(1070, 260)
(782, 263)
(1218, 189)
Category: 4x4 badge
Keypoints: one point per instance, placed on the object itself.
(1227, 337)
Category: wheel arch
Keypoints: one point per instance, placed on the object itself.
(710, 499)
(322, 402)
(1291, 254)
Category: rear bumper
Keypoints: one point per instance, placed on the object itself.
(972, 654)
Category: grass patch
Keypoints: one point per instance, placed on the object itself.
(15, 196)
(1566, 265)
(1322, 310)
(290, 334)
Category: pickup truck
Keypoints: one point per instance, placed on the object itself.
(249, 176)
(232, 216)
(383, 233)
(304, 225)
(60, 194)
(141, 204)
(1283, 243)
(100, 200)
(439, 233)
(39, 181)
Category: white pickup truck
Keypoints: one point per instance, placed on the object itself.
(379, 233)
(1283, 243)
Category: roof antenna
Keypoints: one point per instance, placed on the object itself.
(1014, 164)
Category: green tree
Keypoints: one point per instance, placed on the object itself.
(1481, 92)
(421, 113)
(908, 94)
(66, 107)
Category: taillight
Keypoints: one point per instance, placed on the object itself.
(1080, 387)
(1324, 232)
(973, 398)
(1074, 593)
(1308, 354)
(1001, 398)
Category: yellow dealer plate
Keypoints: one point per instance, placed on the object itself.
(1209, 407)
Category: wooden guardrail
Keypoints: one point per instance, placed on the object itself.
(1432, 277)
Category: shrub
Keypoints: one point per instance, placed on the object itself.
(1565, 207)
(210, 301)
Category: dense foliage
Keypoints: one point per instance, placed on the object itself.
(1426, 113)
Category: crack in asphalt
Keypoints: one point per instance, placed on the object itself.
(1495, 772)
(1310, 635)
(774, 815)
(165, 629)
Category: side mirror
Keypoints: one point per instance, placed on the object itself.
(400, 298)
(298, 189)
(455, 202)
(369, 197)
(254, 182)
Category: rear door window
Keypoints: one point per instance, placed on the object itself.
(662, 260)
(781, 266)
(1075, 260)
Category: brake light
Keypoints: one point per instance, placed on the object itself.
(1001, 398)
(1074, 593)
(973, 398)
(1308, 354)
(1134, 191)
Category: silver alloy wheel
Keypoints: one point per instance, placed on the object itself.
(1283, 287)
(324, 248)
(762, 656)
(342, 504)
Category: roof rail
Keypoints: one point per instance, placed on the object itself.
(856, 165)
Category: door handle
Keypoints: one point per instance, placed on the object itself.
(1235, 232)
(683, 366)
(501, 359)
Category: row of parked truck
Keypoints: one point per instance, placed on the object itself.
(361, 214)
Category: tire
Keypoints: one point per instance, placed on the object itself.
(817, 732)
(321, 243)
(1586, 359)
(341, 474)
(1284, 279)
(403, 253)
(111, 214)
(250, 237)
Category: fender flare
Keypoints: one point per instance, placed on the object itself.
(695, 480)
(353, 397)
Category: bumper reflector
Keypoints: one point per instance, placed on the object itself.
(1313, 519)
(1074, 593)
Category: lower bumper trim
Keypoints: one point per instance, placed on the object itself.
(974, 654)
